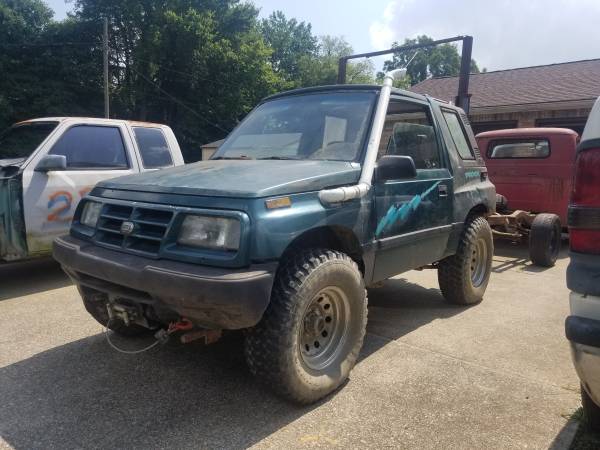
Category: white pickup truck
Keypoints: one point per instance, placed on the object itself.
(47, 165)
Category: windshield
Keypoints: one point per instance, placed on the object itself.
(322, 126)
(19, 141)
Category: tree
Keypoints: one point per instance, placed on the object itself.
(197, 65)
(322, 68)
(290, 41)
(438, 61)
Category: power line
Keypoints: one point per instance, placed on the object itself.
(54, 44)
(187, 74)
(179, 102)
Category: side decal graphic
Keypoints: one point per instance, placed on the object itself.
(402, 212)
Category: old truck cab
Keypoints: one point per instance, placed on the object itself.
(48, 165)
(532, 167)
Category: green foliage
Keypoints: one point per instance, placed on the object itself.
(321, 68)
(290, 41)
(197, 65)
(439, 61)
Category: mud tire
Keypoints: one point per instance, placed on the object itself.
(591, 411)
(274, 348)
(455, 273)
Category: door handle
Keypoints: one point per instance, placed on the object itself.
(442, 190)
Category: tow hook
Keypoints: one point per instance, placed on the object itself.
(209, 336)
(164, 334)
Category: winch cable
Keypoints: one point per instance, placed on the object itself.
(127, 352)
(181, 325)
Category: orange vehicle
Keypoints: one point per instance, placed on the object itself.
(532, 169)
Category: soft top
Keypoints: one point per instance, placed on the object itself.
(344, 87)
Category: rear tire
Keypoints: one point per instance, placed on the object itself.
(545, 239)
(97, 308)
(591, 411)
(312, 331)
(463, 277)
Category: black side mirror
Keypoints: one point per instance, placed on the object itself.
(52, 162)
(394, 167)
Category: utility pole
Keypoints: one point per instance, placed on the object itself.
(105, 48)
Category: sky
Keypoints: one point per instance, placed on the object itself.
(506, 33)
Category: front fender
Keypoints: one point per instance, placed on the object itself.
(274, 229)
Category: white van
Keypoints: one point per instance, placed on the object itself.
(582, 327)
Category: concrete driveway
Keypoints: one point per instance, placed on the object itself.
(497, 375)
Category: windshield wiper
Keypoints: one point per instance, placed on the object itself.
(279, 157)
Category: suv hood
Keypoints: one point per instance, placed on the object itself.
(241, 178)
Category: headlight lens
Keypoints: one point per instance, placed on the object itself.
(215, 233)
(90, 214)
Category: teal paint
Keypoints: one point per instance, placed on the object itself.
(473, 174)
(402, 212)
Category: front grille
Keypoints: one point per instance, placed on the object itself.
(150, 228)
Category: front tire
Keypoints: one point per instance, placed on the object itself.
(591, 411)
(312, 331)
(463, 277)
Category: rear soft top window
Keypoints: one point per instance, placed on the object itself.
(521, 149)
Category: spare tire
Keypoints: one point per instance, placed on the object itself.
(545, 239)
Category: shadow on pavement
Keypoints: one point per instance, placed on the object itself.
(508, 255)
(399, 307)
(85, 394)
(30, 277)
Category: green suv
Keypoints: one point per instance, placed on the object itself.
(316, 195)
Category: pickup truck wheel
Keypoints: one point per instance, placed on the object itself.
(545, 239)
(312, 331)
(463, 277)
(591, 411)
(97, 310)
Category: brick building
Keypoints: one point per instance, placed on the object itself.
(556, 95)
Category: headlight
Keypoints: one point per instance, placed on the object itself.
(90, 214)
(215, 233)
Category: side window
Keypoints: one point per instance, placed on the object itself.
(153, 147)
(531, 148)
(409, 131)
(461, 141)
(92, 147)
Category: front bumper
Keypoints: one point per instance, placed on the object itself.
(211, 297)
(582, 328)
